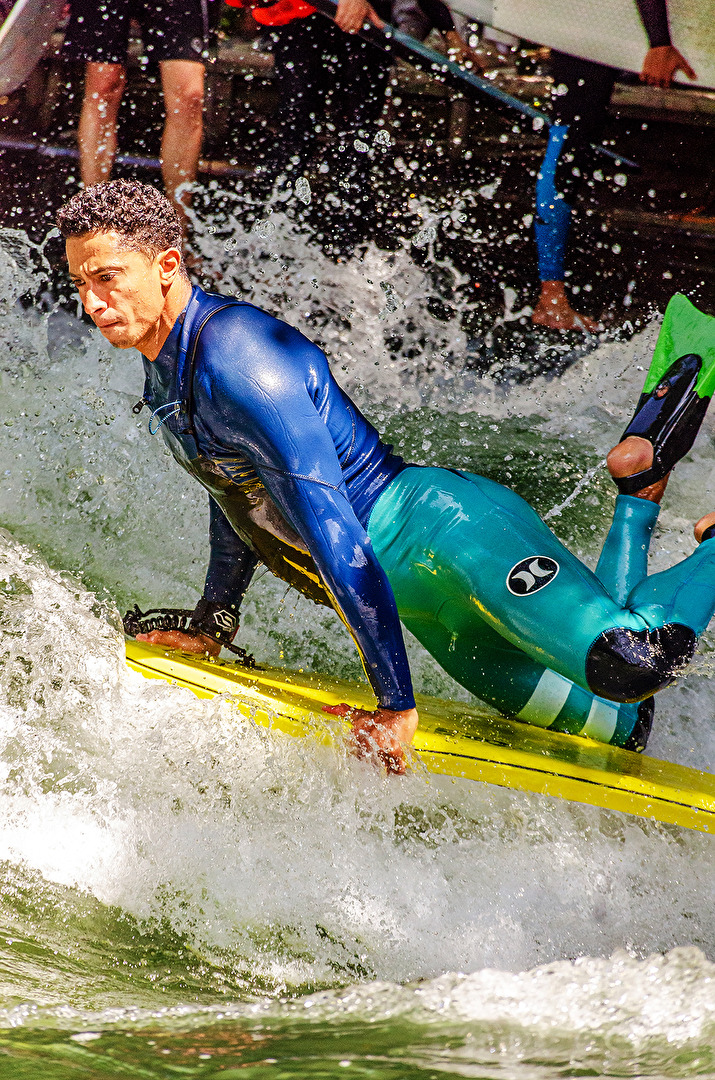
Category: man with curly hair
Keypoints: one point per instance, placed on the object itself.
(299, 480)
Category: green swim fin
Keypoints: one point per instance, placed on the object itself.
(677, 391)
(685, 330)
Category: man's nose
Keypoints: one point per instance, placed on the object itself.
(92, 303)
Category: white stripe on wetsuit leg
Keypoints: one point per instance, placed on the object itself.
(602, 720)
(547, 701)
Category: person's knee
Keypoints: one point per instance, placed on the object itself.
(184, 94)
(189, 103)
(186, 108)
(105, 82)
(630, 665)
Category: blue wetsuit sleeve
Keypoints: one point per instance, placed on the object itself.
(231, 563)
(355, 580)
(654, 16)
(266, 407)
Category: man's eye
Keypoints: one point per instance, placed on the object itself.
(107, 277)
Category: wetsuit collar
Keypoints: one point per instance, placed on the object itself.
(163, 366)
(198, 310)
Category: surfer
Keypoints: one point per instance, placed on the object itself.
(580, 105)
(299, 480)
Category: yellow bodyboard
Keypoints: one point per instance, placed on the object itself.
(458, 740)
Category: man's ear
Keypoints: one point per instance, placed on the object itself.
(169, 265)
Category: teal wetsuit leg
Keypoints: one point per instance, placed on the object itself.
(497, 672)
(448, 542)
(467, 534)
(407, 528)
(684, 594)
(624, 556)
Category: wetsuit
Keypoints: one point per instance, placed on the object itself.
(580, 106)
(302, 482)
(292, 464)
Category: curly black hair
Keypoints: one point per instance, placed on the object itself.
(139, 213)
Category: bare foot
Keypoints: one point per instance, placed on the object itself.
(380, 734)
(702, 525)
(635, 455)
(554, 310)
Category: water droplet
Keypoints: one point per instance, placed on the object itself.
(424, 236)
(302, 190)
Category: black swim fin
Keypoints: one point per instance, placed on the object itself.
(669, 418)
(638, 738)
(677, 391)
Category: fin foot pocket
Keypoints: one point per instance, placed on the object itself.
(630, 665)
(669, 417)
(638, 738)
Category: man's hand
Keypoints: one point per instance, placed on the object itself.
(381, 733)
(661, 64)
(177, 639)
(460, 53)
(351, 15)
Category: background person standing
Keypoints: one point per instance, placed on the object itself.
(175, 35)
(582, 94)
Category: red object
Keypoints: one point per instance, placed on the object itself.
(284, 11)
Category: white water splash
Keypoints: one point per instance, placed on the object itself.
(173, 808)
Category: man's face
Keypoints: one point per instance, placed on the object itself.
(123, 292)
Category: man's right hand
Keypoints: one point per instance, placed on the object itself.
(662, 64)
(382, 733)
(177, 639)
(352, 14)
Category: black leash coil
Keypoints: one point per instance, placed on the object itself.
(137, 621)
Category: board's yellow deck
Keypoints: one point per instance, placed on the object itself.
(459, 740)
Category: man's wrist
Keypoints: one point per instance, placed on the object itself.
(403, 706)
(215, 620)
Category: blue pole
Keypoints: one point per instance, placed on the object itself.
(213, 168)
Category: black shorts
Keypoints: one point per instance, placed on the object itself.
(98, 30)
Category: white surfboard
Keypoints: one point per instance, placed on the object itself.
(608, 31)
(24, 36)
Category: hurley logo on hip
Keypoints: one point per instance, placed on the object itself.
(532, 574)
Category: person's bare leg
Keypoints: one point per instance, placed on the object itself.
(635, 455)
(183, 85)
(103, 88)
(554, 310)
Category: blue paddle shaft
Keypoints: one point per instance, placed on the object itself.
(388, 34)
